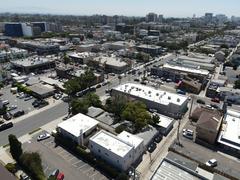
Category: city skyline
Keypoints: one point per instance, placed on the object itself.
(185, 8)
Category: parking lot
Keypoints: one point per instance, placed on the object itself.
(200, 153)
(56, 157)
(21, 104)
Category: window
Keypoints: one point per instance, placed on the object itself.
(106, 154)
(99, 150)
(117, 161)
(91, 146)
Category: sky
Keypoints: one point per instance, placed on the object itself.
(169, 8)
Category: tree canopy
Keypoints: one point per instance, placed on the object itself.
(15, 147)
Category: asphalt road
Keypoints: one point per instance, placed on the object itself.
(29, 124)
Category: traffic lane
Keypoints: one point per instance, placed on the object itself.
(51, 161)
(29, 124)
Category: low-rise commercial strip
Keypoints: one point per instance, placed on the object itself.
(170, 104)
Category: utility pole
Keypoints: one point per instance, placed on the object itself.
(190, 110)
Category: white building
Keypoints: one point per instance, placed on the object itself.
(170, 104)
(229, 136)
(82, 57)
(78, 127)
(120, 151)
(165, 124)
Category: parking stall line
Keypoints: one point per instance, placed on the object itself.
(72, 159)
(94, 174)
(88, 170)
(82, 166)
(76, 162)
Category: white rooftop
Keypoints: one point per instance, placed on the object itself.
(111, 61)
(112, 143)
(77, 123)
(151, 94)
(186, 69)
(81, 55)
(164, 121)
(230, 133)
(130, 138)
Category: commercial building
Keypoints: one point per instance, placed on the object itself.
(13, 29)
(172, 105)
(150, 49)
(229, 135)
(118, 45)
(112, 64)
(33, 64)
(120, 151)
(42, 91)
(83, 57)
(190, 85)
(229, 94)
(78, 128)
(177, 72)
(87, 47)
(165, 124)
(41, 47)
(124, 28)
(12, 54)
(208, 126)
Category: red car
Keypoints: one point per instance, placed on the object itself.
(215, 100)
(60, 176)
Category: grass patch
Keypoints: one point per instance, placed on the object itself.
(35, 130)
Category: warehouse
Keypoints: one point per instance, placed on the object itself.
(169, 104)
(120, 151)
(78, 128)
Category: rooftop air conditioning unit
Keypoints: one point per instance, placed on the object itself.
(169, 97)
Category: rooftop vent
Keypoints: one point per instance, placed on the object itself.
(169, 97)
(178, 100)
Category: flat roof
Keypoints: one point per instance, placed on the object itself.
(164, 121)
(169, 171)
(230, 133)
(130, 138)
(196, 59)
(81, 55)
(149, 46)
(41, 89)
(112, 61)
(77, 123)
(31, 61)
(111, 143)
(186, 69)
(151, 94)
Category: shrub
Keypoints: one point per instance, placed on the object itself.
(11, 167)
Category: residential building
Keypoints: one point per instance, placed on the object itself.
(229, 136)
(78, 128)
(169, 104)
(208, 126)
(12, 54)
(120, 151)
(165, 124)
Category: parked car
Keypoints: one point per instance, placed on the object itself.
(216, 100)
(7, 116)
(137, 80)
(158, 138)
(43, 136)
(5, 102)
(6, 125)
(188, 133)
(181, 92)
(55, 173)
(18, 113)
(57, 96)
(200, 101)
(28, 98)
(23, 176)
(152, 147)
(211, 163)
(60, 176)
(12, 107)
(143, 82)
(105, 83)
(214, 106)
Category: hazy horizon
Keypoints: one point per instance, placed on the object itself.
(170, 8)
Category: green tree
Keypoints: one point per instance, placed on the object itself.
(66, 59)
(89, 78)
(72, 86)
(33, 164)
(237, 84)
(136, 112)
(155, 119)
(11, 167)
(15, 147)
(93, 100)
(79, 106)
(116, 105)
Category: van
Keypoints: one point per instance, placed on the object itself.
(5, 102)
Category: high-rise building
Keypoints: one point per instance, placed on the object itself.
(13, 29)
(208, 17)
(151, 17)
(160, 18)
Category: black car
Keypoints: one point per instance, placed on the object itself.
(151, 147)
(200, 101)
(6, 126)
(18, 113)
(98, 86)
(158, 138)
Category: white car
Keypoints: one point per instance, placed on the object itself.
(211, 163)
(43, 136)
(188, 133)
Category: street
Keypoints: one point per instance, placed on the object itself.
(31, 123)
